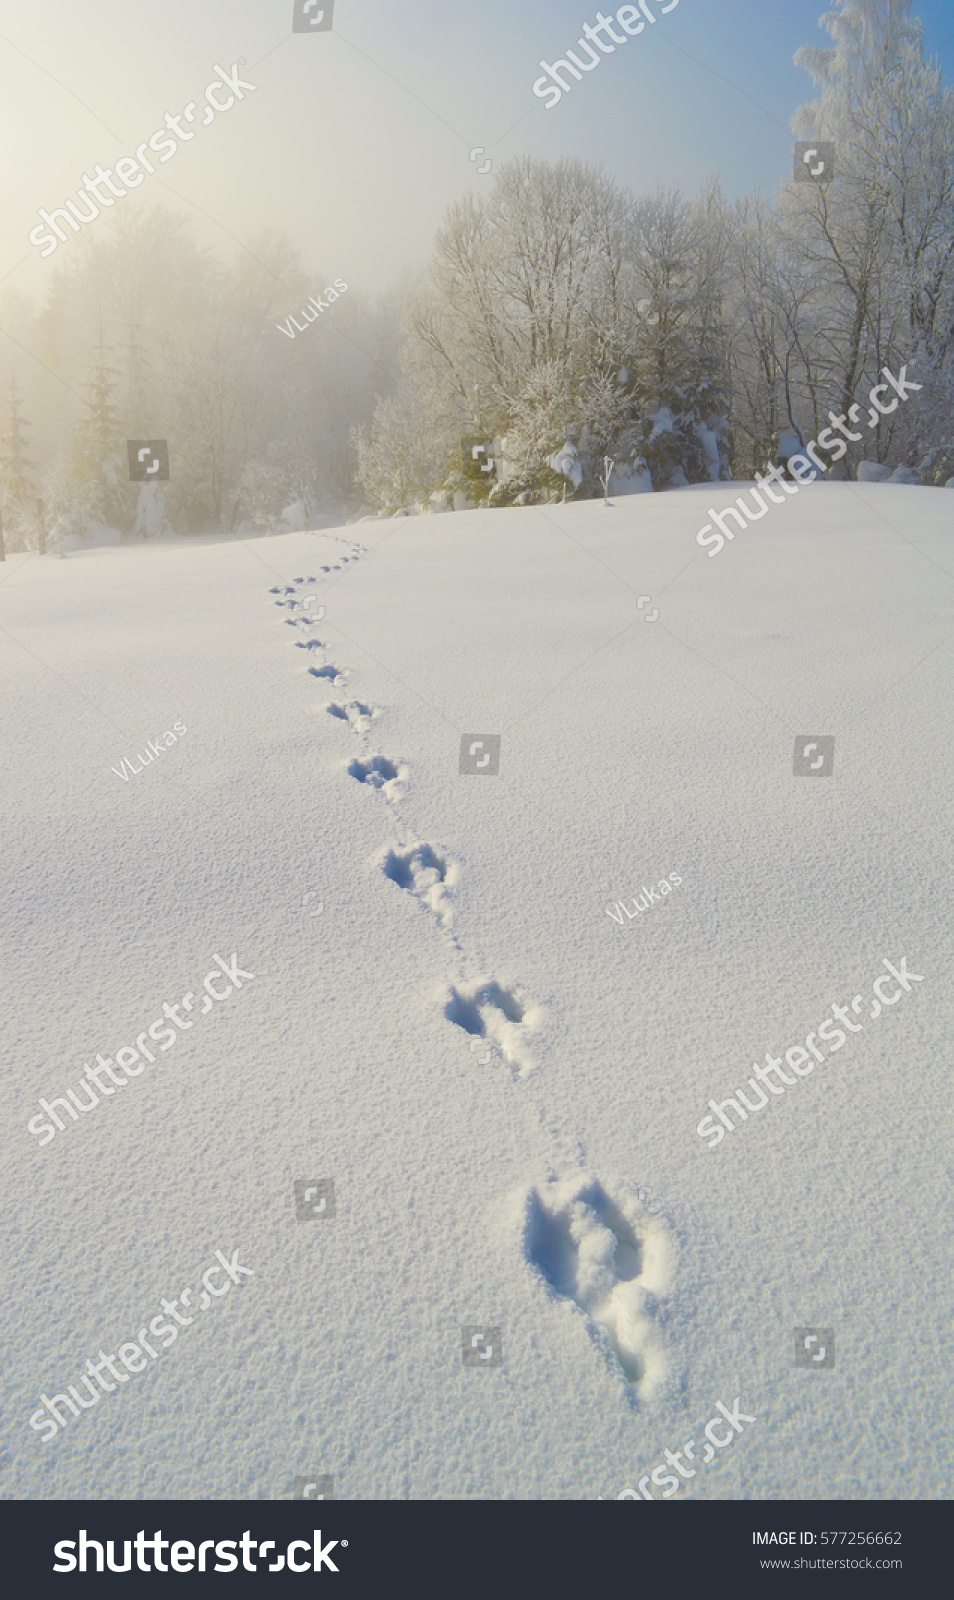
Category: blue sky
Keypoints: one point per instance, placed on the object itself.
(355, 141)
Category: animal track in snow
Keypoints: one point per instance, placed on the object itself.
(492, 1011)
(309, 644)
(299, 603)
(425, 873)
(359, 715)
(332, 673)
(598, 1248)
(380, 772)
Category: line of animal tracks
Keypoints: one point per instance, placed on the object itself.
(597, 1245)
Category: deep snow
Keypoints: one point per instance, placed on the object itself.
(548, 1182)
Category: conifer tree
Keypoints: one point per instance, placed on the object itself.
(17, 491)
(98, 455)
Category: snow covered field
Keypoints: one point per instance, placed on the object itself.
(558, 1191)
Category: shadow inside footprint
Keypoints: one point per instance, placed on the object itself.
(587, 1250)
(550, 1249)
(377, 770)
(420, 870)
(553, 1250)
(356, 713)
(466, 1010)
(325, 672)
(405, 868)
(493, 994)
(465, 1014)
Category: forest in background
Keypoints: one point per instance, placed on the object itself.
(682, 338)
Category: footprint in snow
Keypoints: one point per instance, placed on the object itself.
(491, 1010)
(356, 713)
(329, 671)
(380, 772)
(597, 1247)
(297, 602)
(423, 871)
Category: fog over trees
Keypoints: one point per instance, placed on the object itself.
(682, 337)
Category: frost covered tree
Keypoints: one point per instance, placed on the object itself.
(877, 243)
(527, 304)
(679, 352)
(537, 324)
(412, 447)
(541, 416)
(561, 316)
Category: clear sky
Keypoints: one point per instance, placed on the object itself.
(355, 140)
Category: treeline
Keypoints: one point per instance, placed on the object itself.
(683, 339)
(145, 335)
(688, 339)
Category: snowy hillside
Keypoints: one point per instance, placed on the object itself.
(460, 1101)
